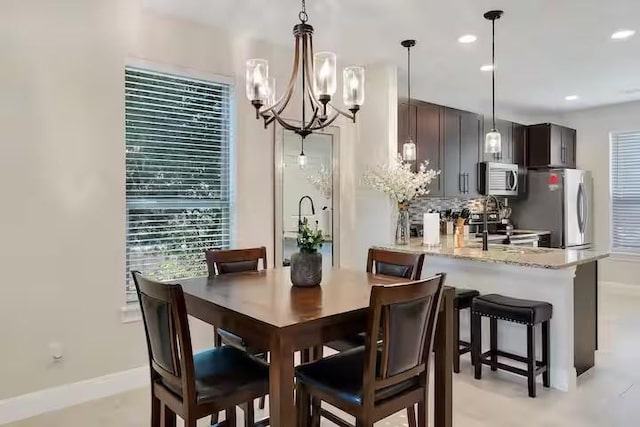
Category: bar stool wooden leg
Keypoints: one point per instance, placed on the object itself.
(531, 360)
(456, 341)
(476, 344)
(546, 376)
(494, 343)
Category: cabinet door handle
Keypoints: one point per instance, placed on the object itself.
(460, 179)
(466, 183)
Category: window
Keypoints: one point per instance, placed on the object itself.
(177, 173)
(625, 192)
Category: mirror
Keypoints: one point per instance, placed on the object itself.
(307, 191)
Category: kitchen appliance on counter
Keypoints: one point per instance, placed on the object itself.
(498, 179)
(558, 200)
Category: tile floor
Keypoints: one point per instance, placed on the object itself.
(608, 395)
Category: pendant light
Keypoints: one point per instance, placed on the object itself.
(493, 139)
(409, 147)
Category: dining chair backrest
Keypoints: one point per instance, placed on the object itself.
(407, 314)
(397, 264)
(166, 326)
(224, 261)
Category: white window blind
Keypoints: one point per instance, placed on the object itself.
(625, 192)
(177, 173)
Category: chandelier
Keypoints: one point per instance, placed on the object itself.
(318, 80)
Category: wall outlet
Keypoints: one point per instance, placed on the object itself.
(56, 351)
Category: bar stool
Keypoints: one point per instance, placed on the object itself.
(530, 313)
(462, 301)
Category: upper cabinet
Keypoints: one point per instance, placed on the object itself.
(550, 145)
(425, 129)
(461, 138)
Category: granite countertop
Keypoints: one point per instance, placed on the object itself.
(504, 254)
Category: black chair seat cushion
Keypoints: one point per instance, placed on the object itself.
(222, 371)
(464, 298)
(229, 338)
(512, 309)
(341, 375)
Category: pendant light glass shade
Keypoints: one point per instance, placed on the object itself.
(353, 86)
(324, 66)
(257, 80)
(302, 160)
(409, 151)
(493, 142)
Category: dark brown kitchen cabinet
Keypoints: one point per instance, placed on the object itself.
(461, 137)
(550, 145)
(426, 120)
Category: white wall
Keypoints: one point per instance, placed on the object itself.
(593, 127)
(62, 225)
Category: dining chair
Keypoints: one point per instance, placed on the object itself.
(188, 385)
(379, 379)
(228, 261)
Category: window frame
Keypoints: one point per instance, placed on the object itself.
(130, 312)
(617, 253)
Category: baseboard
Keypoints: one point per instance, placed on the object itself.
(620, 288)
(56, 398)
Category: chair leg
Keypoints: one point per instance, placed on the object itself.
(476, 344)
(261, 403)
(156, 411)
(456, 342)
(422, 414)
(316, 405)
(531, 360)
(190, 422)
(305, 355)
(249, 414)
(214, 419)
(411, 416)
(230, 416)
(302, 406)
(546, 376)
(168, 416)
(493, 332)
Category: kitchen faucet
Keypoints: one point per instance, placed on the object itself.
(313, 210)
(485, 231)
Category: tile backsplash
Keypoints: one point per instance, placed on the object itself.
(421, 205)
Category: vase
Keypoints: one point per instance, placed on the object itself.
(306, 269)
(403, 224)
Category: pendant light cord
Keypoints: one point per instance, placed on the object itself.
(493, 71)
(408, 93)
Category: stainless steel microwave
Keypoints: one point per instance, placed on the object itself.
(498, 179)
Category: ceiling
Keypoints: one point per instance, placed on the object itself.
(545, 49)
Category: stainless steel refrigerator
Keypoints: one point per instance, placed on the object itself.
(560, 201)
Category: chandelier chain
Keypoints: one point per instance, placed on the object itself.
(303, 13)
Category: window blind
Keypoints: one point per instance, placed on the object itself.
(625, 192)
(177, 173)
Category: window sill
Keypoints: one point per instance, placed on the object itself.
(625, 257)
(130, 313)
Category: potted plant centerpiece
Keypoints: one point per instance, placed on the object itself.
(306, 265)
(402, 185)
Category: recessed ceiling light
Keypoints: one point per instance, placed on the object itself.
(487, 67)
(467, 38)
(571, 97)
(622, 34)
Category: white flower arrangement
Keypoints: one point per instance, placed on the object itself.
(322, 181)
(398, 181)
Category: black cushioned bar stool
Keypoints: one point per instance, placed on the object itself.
(530, 313)
(462, 301)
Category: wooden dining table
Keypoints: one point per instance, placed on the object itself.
(267, 312)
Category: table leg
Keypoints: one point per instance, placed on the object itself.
(444, 364)
(282, 409)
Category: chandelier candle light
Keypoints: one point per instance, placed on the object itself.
(319, 85)
(493, 139)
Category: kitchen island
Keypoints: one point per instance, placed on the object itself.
(568, 279)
